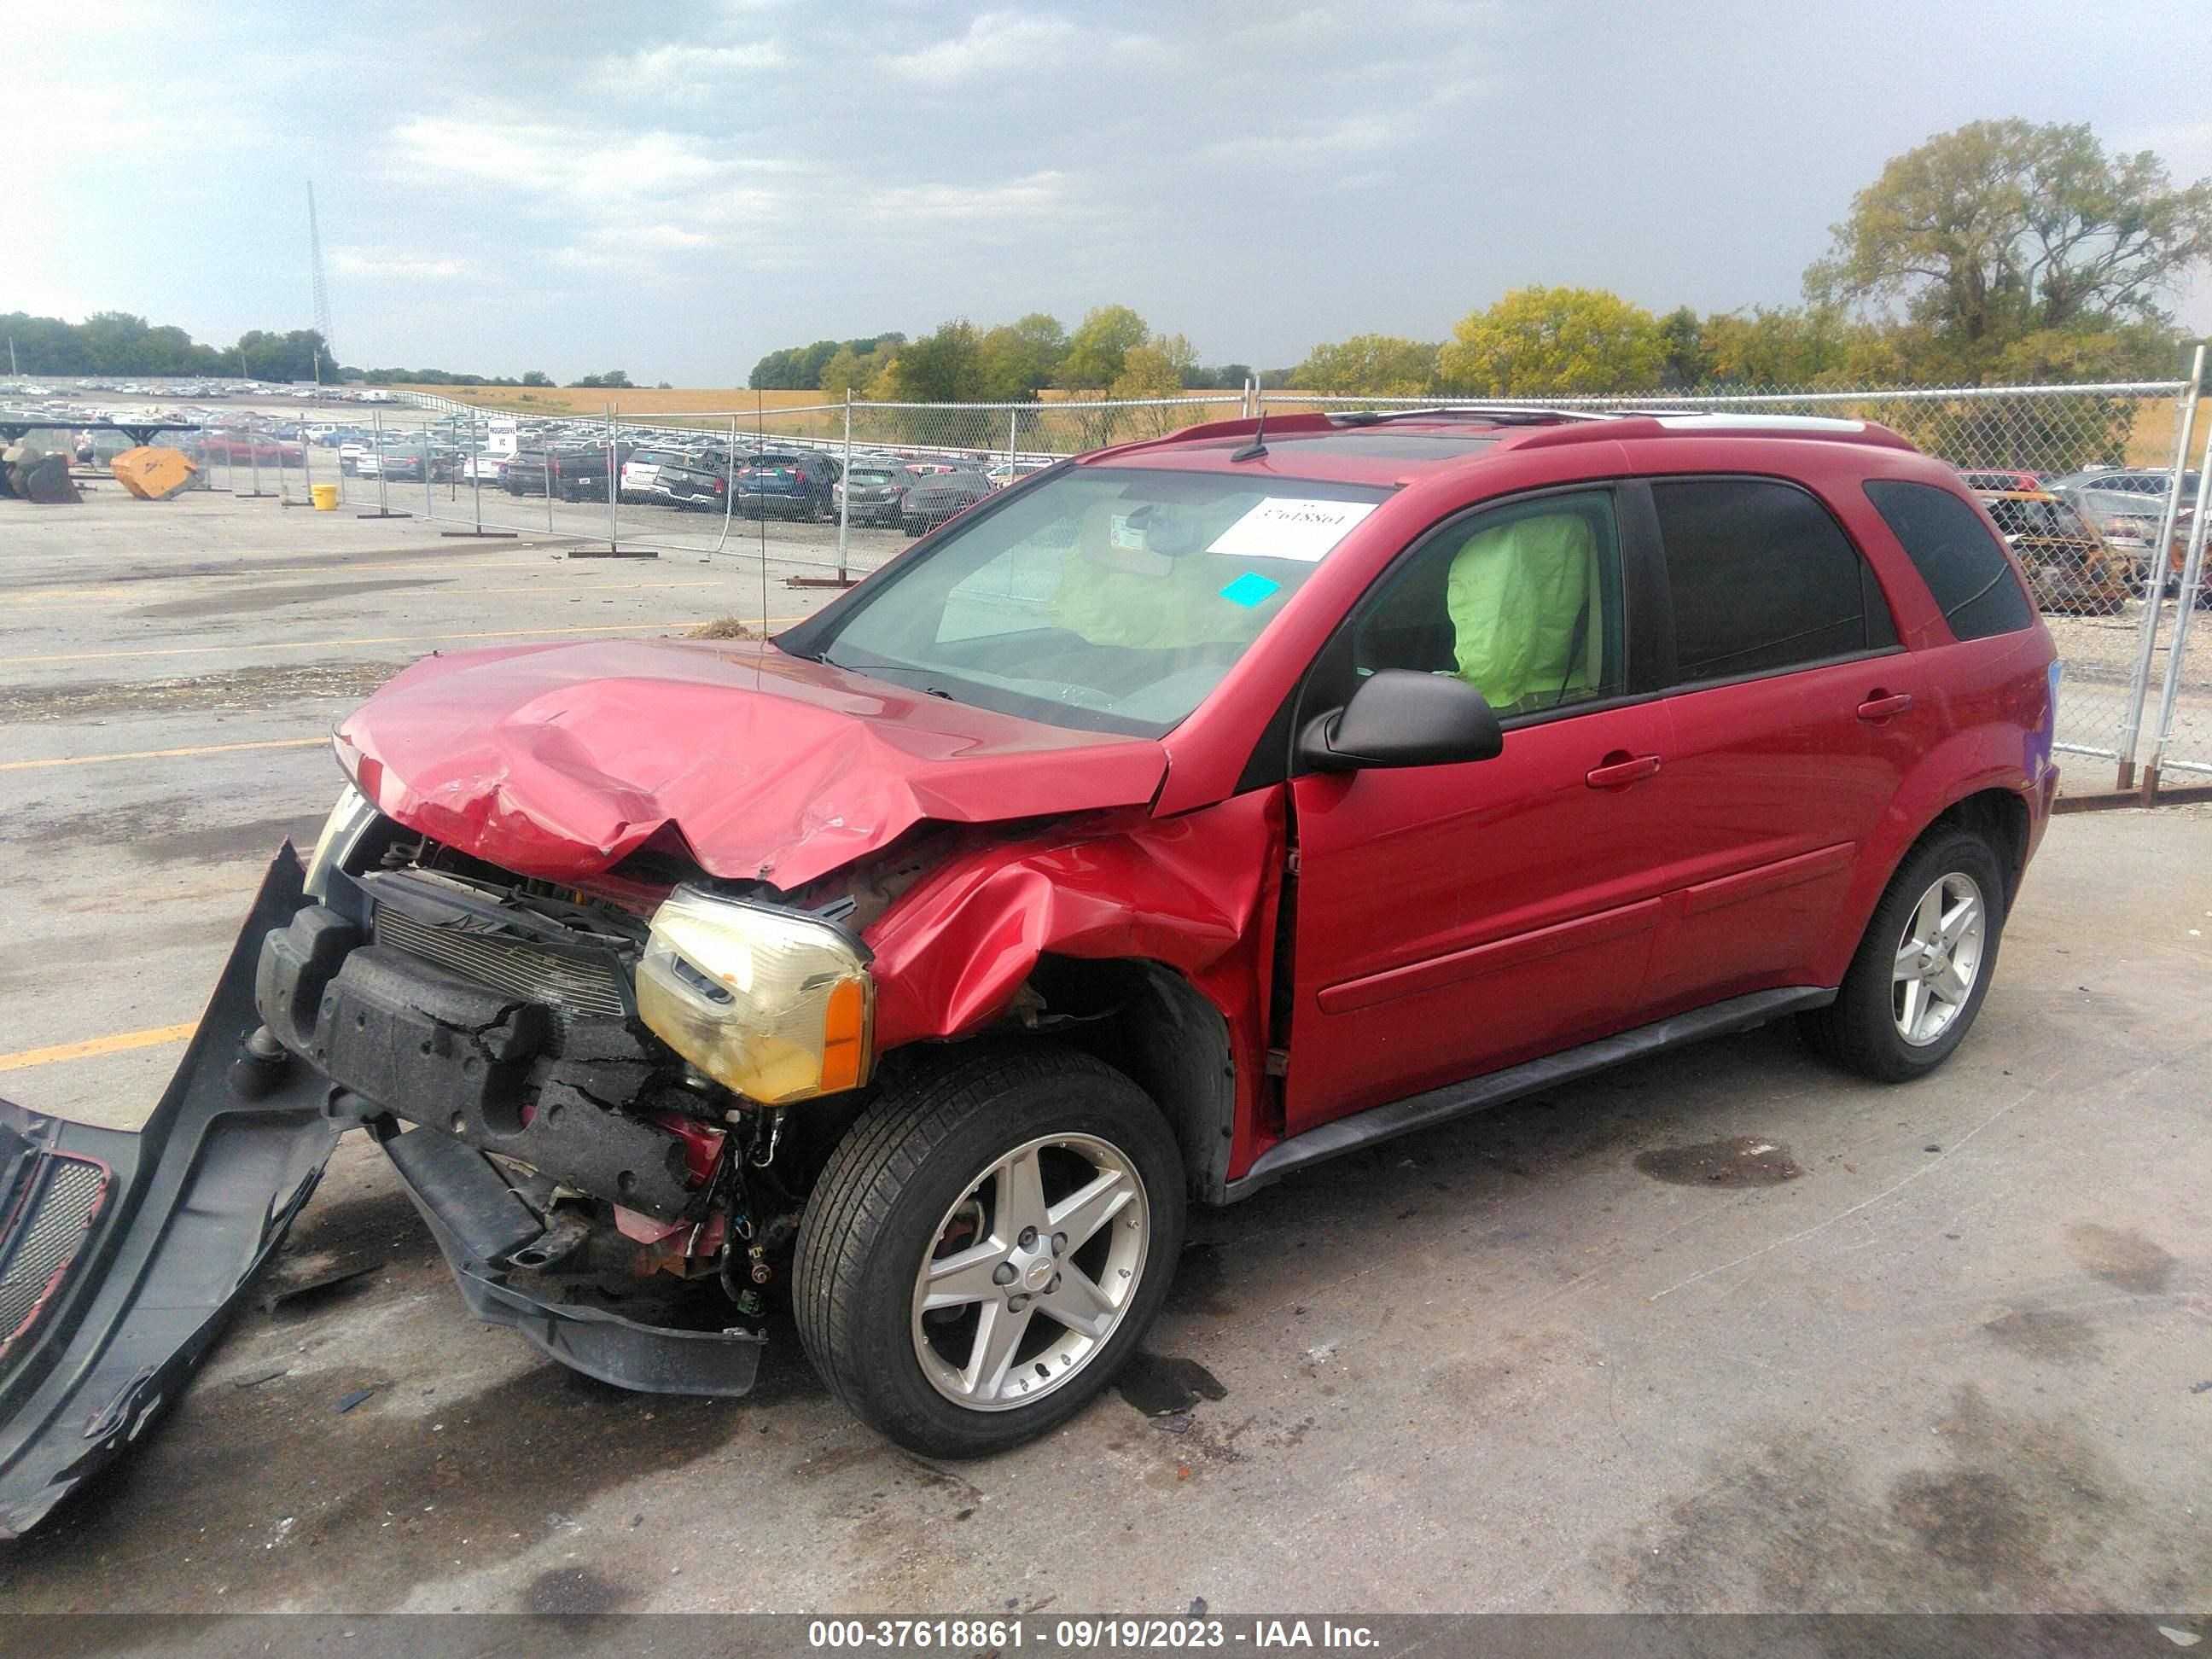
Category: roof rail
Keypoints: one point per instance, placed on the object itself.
(1640, 424)
(1496, 414)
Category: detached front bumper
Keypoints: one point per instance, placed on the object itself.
(121, 1254)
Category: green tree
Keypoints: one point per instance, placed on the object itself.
(1778, 347)
(1548, 342)
(613, 381)
(536, 377)
(1095, 351)
(1021, 357)
(1378, 365)
(2004, 229)
(294, 355)
(945, 367)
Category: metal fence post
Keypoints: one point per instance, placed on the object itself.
(383, 491)
(614, 543)
(546, 456)
(2192, 575)
(253, 466)
(2155, 582)
(476, 470)
(844, 491)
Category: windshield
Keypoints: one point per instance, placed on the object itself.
(1106, 599)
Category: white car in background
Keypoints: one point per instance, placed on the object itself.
(641, 474)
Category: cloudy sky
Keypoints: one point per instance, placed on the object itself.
(674, 191)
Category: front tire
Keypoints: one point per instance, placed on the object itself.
(1922, 967)
(987, 1246)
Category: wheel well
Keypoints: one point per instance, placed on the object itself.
(1151, 1024)
(2000, 817)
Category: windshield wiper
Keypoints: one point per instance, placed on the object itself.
(883, 668)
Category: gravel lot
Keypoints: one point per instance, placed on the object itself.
(1723, 1331)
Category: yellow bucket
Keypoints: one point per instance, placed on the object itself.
(326, 497)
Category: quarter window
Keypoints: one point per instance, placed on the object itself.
(1762, 580)
(1966, 571)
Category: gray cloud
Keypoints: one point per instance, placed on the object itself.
(571, 187)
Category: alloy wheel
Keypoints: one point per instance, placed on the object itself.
(1939, 958)
(1030, 1272)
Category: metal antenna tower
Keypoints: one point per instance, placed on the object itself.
(322, 291)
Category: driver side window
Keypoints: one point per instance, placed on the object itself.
(1522, 601)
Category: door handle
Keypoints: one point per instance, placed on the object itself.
(1881, 706)
(1625, 769)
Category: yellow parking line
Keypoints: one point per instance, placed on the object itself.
(113, 1044)
(161, 754)
(250, 648)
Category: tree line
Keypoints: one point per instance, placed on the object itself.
(111, 343)
(2003, 252)
(118, 344)
(1113, 352)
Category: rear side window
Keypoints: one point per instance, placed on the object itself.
(1762, 580)
(1962, 564)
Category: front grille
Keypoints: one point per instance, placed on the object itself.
(514, 966)
(42, 1247)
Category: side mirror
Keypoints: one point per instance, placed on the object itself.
(1401, 717)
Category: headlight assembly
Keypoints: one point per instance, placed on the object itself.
(773, 1004)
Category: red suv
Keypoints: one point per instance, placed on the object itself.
(1179, 816)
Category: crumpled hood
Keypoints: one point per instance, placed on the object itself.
(561, 760)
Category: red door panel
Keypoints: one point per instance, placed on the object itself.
(1780, 784)
(1452, 919)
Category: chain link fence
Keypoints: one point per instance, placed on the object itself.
(2088, 483)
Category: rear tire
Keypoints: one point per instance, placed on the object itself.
(1937, 929)
(926, 1178)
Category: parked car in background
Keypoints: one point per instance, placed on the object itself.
(1002, 473)
(2124, 480)
(641, 473)
(873, 492)
(930, 501)
(698, 482)
(1999, 478)
(396, 463)
(786, 484)
(2068, 566)
(2127, 509)
(572, 472)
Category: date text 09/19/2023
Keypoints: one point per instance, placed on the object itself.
(1091, 1635)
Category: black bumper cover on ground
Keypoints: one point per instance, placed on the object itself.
(115, 1299)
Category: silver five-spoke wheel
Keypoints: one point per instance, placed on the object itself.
(1938, 958)
(1030, 1272)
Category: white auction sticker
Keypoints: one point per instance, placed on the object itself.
(1282, 528)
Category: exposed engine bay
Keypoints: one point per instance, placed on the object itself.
(570, 1146)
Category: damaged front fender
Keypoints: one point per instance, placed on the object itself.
(121, 1253)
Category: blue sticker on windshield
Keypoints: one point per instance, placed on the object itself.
(1251, 589)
